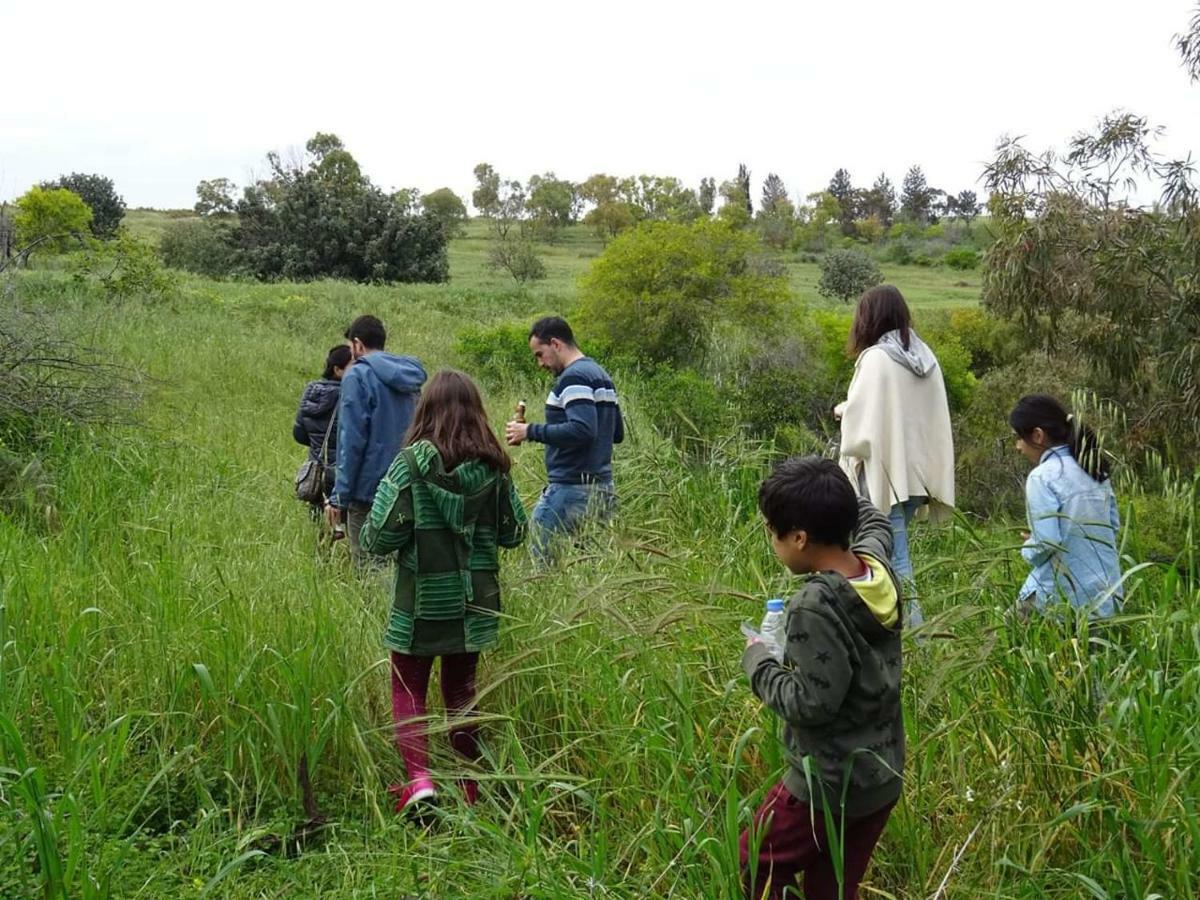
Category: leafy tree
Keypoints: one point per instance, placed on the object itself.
(842, 190)
(965, 206)
(666, 199)
(611, 213)
(708, 195)
(448, 208)
(486, 196)
(552, 203)
(51, 216)
(98, 192)
(743, 181)
(777, 217)
(215, 197)
(1086, 275)
(917, 197)
(734, 204)
(517, 257)
(880, 201)
(774, 193)
(814, 219)
(845, 274)
(1188, 45)
(659, 291)
(123, 268)
(204, 246)
(322, 218)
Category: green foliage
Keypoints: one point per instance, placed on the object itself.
(842, 190)
(845, 274)
(486, 196)
(447, 207)
(215, 197)
(657, 292)
(1084, 274)
(917, 197)
(992, 342)
(684, 406)
(517, 256)
(553, 203)
(203, 246)
(55, 217)
(101, 197)
(124, 268)
(962, 259)
(899, 252)
(323, 219)
(499, 352)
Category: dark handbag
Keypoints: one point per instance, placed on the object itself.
(310, 477)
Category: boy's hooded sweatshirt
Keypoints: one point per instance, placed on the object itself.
(379, 394)
(838, 692)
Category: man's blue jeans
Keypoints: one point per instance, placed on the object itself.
(562, 510)
(901, 516)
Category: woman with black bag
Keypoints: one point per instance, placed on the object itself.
(316, 429)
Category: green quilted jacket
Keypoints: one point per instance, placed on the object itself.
(446, 528)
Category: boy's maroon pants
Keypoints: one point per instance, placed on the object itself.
(410, 682)
(794, 842)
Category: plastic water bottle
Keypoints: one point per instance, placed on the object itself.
(773, 631)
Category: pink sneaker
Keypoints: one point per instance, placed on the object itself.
(418, 791)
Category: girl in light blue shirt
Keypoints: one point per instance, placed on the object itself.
(1072, 511)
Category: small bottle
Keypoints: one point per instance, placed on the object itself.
(773, 631)
(520, 417)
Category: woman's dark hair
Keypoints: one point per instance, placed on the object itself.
(338, 358)
(1044, 412)
(450, 415)
(880, 309)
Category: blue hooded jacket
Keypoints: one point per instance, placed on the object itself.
(379, 394)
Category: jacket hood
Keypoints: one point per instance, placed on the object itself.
(402, 374)
(449, 490)
(918, 358)
(320, 398)
(856, 610)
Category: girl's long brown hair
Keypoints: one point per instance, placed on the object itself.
(880, 309)
(450, 415)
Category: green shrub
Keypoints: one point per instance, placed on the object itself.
(847, 273)
(658, 291)
(899, 252)
(991, 341)
(123, 268)
(203, 246)
(962, 259)
(684, 406)
(934, 232)
(56, 217)
(924, 261)
(498, 352)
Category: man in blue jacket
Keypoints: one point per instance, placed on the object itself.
(379, 394)
(583, 421)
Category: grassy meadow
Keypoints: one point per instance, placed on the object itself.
(176, 649)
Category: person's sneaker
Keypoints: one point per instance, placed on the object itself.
(415, 797)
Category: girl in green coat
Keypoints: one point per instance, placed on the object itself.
(444, 508)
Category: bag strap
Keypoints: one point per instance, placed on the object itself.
(328, 431)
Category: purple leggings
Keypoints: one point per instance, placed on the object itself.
(410, 681)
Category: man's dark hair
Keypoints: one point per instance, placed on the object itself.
(813, 495)
(369, 330)
(551, 327)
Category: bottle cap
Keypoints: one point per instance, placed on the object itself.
(775, 605)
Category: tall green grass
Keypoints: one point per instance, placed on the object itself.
(180, 650)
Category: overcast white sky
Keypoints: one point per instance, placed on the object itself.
(159, 95)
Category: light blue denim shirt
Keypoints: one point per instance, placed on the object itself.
(1072, 547)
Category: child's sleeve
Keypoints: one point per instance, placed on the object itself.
(1045, 529)
(510, 530)
(810, 691)
(873, 535)
(389, 525)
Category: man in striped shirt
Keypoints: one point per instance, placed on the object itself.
(583, 421)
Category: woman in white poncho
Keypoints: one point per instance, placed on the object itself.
(896, 442)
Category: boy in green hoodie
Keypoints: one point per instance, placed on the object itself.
(837, 691)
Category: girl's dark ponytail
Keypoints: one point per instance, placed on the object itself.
(1044, 412)
(1085, 447)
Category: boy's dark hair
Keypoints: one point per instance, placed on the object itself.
(813, 495)
(338, 358)
(369, 330)
(880, 309)
(1044, 412)
(551, 327)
